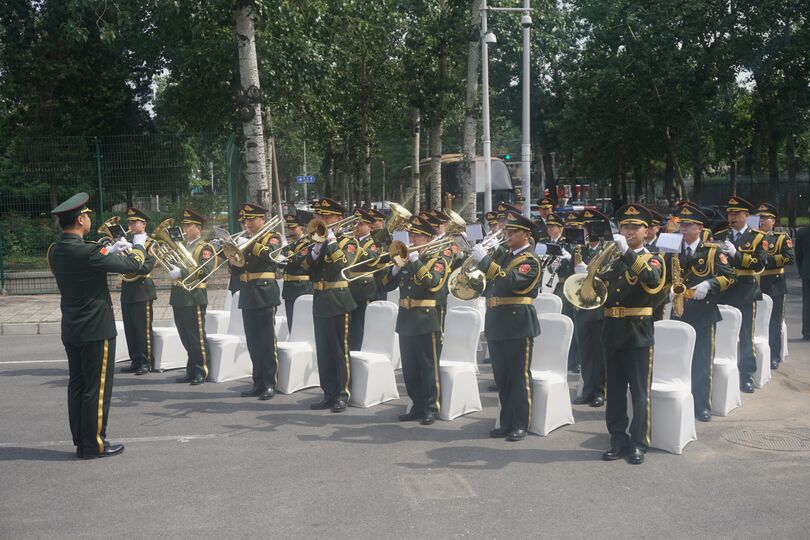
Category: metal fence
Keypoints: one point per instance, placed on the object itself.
(160, 174)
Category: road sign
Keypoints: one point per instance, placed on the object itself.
(305, 179)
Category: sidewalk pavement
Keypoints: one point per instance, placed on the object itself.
(27, 315)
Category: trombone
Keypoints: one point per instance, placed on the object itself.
(399, 248)
(318, 227)
(231, 252)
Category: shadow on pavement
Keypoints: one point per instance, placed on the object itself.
(20, 453)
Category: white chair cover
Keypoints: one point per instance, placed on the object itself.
(547, 303)
(217, 321)
(762, 345)
(121, 349)
(373, 381)
(297, 363)
(551, 399)
(672, 407)
(457, 365)
(785, 352)
(726, 375)
(228, 357)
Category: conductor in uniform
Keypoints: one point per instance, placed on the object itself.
(88, 325)
(772, 280)
(420, 278)
(632, 280)
(189, 306)
(296, 279)
(747, 253)
(137, 295)
(511, 321)
(259, 300)
(706, 273)
(332, 304)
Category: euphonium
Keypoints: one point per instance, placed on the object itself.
(467, 281)
(168, 252)
(587, 291)
(398, 219)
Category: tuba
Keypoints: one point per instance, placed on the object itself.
(587, 291)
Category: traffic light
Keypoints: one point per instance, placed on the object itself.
(506, 157)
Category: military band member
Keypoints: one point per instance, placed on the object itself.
(492, 222)
(632, 281)
(705, 273)
(511, 322)
(450, 256)
(235, 279)
(363, 289)
(296, 278)
(772, 280)
(137, 294)
(545, 207)
(520, 200)
(332, 305)
(746, 249)
(419, 278)
(88, 325)
(651, 238)
(258, 301)
(189, 306)
(589, 323)
(382, 239)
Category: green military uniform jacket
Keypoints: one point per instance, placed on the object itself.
(332, 296)
(565, 268)
(449, 255)
(202, 253)
(365, 289)
(747, 263)
(259, 287)
(541, 232)
(296, 278)
(418, 281)
(511, 277)
(708, 263)
(138, 286)
(81, 269)
(382, 238)
(780, 254)
(633, 281)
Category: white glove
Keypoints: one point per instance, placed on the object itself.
(621, 243)
(330, 236)
(395, 269)
(671, 296)
(555, 265)
(139, 239)
(479, 252)
(701, 290)
(400, 261)
(284, 241)
(241, 241)
(316, 251)
(120, 246)
(318, 239)
(174, 273)
(565, 255)
(281, 259)
(540, 250)
(413, 256)
(581, 268)
(729, 248)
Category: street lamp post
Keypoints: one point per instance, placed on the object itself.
(526, 147)
(487, 143)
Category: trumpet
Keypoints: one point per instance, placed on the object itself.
(467, 282)
(588, 291)
(401, 250)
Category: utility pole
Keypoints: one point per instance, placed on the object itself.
(526, 147)
(487, 143)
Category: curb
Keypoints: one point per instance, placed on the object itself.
(49, 328)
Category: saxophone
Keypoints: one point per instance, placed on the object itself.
(679, 290)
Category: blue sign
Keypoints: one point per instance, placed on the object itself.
(305, 179)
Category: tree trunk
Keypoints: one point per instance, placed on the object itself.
(732, 170)
(365, 189)
(638, 181)
(468, 194)
(697, 180)
(792, 166)
(669, 176)
(437, 127)
(414, 196)
(773, 164)
(255, 171)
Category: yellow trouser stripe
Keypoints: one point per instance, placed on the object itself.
(101, 386)
(528, 378)
(275, 347)
(436, 374)
(649, 398)
(149, 335)
(346, 358)
(202, 343)
(711, 365)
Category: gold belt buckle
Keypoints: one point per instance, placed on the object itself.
(618, 312)
(408, 303)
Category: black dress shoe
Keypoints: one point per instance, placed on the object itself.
(410, 416)
(704, 416)
(501, 432)
(428, 419)
(614, 453)
(747, 387)
(196, 381)
(322, 404)
(132, 368)
(267, 394)
(516, 435)
(774, 364)
(109, 451)
(598, 401)
(339, 406)
(492, 388)
(143, 370)
(581, 400)
(636, 456)
(185, 379)
(253, 392)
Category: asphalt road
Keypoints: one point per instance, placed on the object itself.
(201, 462)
